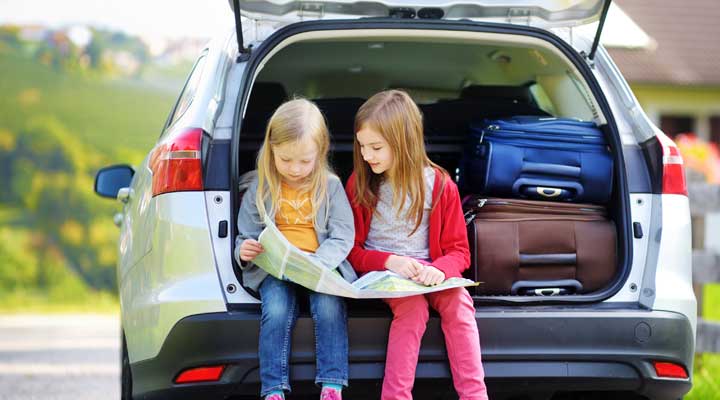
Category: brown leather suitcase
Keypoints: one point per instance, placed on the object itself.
(525, 247)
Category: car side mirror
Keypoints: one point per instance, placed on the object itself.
(109, 180)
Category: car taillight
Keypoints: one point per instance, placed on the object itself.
(175, 163)
(201, 374)
(673, 179)
(670, 370)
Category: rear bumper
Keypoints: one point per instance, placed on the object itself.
(523, 350)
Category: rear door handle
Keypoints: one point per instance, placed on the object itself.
(223, 229)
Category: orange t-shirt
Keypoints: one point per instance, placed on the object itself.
(294, 218)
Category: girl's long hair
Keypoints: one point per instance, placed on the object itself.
(397, 118)
(293, 121)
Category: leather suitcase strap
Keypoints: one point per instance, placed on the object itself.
(490, 204)
(519, 217)
(529, 210)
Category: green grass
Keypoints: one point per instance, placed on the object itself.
(706, 371)
(706, 378)
(110, 116)
(711, 303)
(36, 302)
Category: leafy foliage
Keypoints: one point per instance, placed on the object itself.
(57, 128)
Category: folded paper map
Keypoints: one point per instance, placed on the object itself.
(284, 261)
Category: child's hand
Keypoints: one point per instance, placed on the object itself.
(429, 276)
(249, 249)
(403, 266)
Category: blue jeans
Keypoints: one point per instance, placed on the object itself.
(279, 313)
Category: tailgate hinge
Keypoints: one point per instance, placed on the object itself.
(310, 10)
(601, 23)
(517, 16)
(244, 51)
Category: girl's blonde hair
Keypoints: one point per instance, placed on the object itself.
(293, 121)
(397, 118)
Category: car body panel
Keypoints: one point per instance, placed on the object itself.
(630, 293)
(673, 276)
(178, 278)
(523, 348)
(218, 210)
(137, 226)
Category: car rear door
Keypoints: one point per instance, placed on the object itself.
(544, 14)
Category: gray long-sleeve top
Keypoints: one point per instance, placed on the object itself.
(335, 234)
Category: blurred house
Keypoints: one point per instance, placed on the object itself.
(33, 33)
(676, 73)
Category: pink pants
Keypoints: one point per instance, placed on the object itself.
(457, 316)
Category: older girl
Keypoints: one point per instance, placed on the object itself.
(408, 219)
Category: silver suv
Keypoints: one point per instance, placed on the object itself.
(190, 328)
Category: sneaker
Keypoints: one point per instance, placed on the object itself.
(330, 394)
(274, 397)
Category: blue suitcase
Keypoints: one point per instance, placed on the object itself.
(538, 158)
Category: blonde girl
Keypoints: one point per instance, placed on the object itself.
(295, 187)
(408, 219)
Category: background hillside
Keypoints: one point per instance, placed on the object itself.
(61, 119)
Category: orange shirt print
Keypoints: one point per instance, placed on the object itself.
(294, 219)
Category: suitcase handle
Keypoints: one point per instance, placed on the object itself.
(546, 288)
(551, 169)
(545, 192)
(547, 188)
(548, 259)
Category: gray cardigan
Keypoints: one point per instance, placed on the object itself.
(336, 235)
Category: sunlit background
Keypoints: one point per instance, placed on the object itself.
(85, 84)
